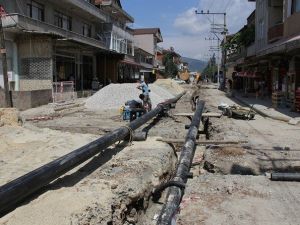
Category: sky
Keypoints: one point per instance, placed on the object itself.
(181, 28)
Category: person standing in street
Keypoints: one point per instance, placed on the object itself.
(145, 91)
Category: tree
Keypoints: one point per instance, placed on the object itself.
(171, 68)
(211, 69)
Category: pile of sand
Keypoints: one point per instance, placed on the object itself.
(169, 85)
(114, 96)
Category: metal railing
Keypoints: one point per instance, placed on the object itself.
(63, 91)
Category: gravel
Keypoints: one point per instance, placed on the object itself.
(114, 96)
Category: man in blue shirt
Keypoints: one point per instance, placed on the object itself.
(145, 89)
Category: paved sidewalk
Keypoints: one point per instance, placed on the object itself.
(264, 107)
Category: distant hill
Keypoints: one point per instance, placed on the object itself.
(194, 64)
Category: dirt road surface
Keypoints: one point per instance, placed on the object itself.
(227, 193)
(229, 185)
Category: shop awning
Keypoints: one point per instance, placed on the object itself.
(124, 61)
(283, 45)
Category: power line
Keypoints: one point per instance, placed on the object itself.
(216, 29)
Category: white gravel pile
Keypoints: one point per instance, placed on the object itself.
(114, 96)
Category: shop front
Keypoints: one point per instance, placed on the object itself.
(281, 84)
(128, 71)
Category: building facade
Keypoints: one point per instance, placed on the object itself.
(274, 57)
(50, 42)
(147, 39)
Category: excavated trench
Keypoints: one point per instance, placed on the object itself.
(118, 190)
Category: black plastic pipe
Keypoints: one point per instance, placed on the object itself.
(285, 177)
(17, 190)
(175, 194)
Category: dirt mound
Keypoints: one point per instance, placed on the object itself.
(114, 96)
(169, 85)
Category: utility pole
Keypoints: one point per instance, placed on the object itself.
(8, 100)
(217, 49)
(218, 29)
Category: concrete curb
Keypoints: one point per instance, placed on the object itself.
(263, 114)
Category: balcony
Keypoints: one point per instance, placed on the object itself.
(19, 23)
(275, 32)
(83, 8)
(159, 49)
(117, 39)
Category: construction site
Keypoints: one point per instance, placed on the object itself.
(117, 112)
(184, 162)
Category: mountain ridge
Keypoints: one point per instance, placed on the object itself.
(195, 65)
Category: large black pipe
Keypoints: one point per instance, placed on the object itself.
(17, 190)
(175, 193)
(285, 177)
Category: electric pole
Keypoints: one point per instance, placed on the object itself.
(218, 29)
(217, 49)
(8, 100)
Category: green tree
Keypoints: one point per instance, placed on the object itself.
(171, 68)
(211, 68)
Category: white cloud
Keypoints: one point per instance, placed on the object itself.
(191, 29)
(186, 45)
(190, 23)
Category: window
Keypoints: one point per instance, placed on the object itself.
(62, 21)
(130, 49)
(36, 10)
(295, 6)
(87, 30)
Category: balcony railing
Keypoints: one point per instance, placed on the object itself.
(28, 24)
(90, 8)
(159, 49)
(275, 32)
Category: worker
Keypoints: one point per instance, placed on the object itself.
(145, 92)
(198, 78)
(135, 108)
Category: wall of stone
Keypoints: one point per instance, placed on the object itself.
(36, 63)
(28, 99)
